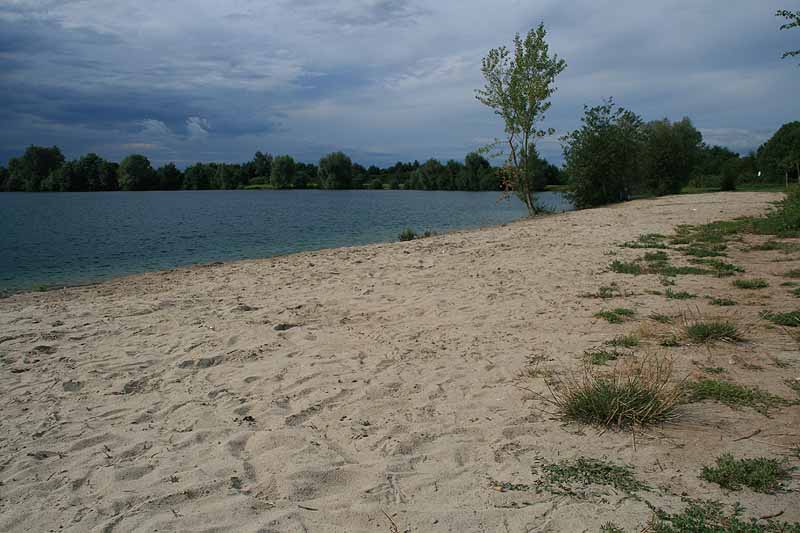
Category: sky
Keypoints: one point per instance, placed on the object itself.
(382, 80)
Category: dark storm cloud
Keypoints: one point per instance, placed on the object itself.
(381, 79)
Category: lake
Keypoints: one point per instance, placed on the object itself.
(57, 239)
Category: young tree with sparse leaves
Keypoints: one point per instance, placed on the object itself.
(519, 84)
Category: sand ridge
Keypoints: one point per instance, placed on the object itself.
(316, 391)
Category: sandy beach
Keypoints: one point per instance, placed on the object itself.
(377, 388)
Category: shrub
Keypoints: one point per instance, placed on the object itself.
(641, 394)
(408, 234)
(760, 474)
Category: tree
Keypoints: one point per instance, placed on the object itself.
(779, 157)
(283, 170)
(136, 174)
(670, 152)
(169, 177)
(335, 171)
(518, 88)
(602, 156)
(34, 166)
(793, 19)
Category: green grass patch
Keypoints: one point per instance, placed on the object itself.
(732, 395)
(703, 516)
(721, 268)
(623, 267)
(640, 395)
(795, 273)
(648, 240)
(789, 319)
(751, 284)
(659, 256)
(671, 342)
(569, 477)
(796, 292)
(662, 318)
(672, 271)
(624, 341)
(760, 474)
(679, 295)
(722, 302)
(615, 316)
(773, 245)
(712, 331)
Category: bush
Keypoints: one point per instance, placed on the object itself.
(408, 234)
(730, 171)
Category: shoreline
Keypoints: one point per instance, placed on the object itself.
(318, 390)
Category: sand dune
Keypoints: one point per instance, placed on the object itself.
(316, 391)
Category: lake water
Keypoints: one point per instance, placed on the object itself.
(57, 239)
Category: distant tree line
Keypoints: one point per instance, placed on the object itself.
(46, 169)
(615, 155)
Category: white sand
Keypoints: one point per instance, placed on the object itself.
(169, 402)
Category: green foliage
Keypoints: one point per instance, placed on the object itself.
(408, 234)
(754, 283)
(661, 318)
(335, 171)
(136, 174)
(681, 295)
(760, 474)
(790, 319)
(282, 172)
(785, 247)
(730, 173)
(602, 157)
(567, 476)
(624, 341)
(622, 267)
(712, 331)
(723, 302)
(668, 155)
(656, 256)
(600, 356)
(794, 273)
(721, 268)
(518, 88)
(732, 395)
(779, 157)
(709, 517)
(615, 316)
(638, 396)
(29, 171)
(169, 177)
(647, 240)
